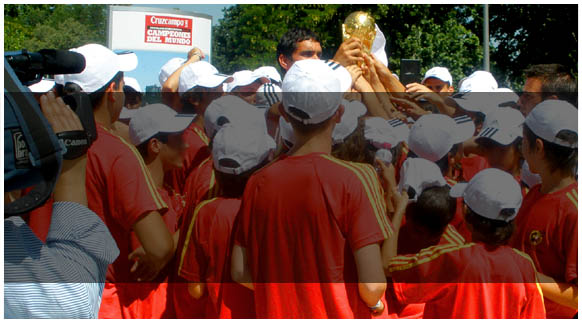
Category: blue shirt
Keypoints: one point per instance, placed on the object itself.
(63, 278)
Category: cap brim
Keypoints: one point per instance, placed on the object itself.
(127, 61)
(214, 80)
(458, 190)
(178, 123)
(497, 135)
(127, 114)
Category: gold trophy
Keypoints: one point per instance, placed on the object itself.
(361, 25)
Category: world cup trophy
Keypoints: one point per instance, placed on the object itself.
(361, 25)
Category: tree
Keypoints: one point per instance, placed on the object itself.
(247, 36)
(53, 26)
(532, 34)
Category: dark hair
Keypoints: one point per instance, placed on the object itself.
(97, 96)
(558, 157)
(143, 147)
(492, 232)
(354, 148)
(556, 80)
(132, 96)
(433, 210)
(195, 94)
(233, 186)
(288, 43)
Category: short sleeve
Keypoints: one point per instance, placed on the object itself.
(241, 228)
(133, 190)
(570, 242)
(368, 223)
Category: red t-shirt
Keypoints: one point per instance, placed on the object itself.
(196, 152)
(301, 219)
(205, 258)
(200, 185)
(458, 220)
(120, 190)
(411, 241)
(469, 281)
(546, 228)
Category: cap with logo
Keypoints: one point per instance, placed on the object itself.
(489, 192)
(237, 149)
(385, 134)
(232, 109)
(269, 72)
(433, 135)
(440, 73)
(101, 65)
(503, 126)
(549, 117)
(419, 174)
(311, 91)
(202, 74)
(169, 68)
(267, 95)
(342, 74)
(152, 119)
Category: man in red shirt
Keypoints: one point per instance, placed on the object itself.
(310, 226)
(547, 225)
(479, 280)
(119, 186)
(205, 258)
(200, 84)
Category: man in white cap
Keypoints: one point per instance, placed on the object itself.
(437, 79)
(245, 85)
(237, 152)
(547, 224)
(479, 280)
(306, 194)
(156, 131)
(119, 186)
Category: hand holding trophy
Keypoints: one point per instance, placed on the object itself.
(361, 25)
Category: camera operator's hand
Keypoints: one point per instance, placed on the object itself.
(70, 185)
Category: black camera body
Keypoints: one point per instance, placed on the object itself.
(33, 153)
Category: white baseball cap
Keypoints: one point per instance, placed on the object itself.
(246, 147)
(269, 72)
(286, 133)
(342, 74)
(384, 155)
(203, 74)
(126, 114)
(550, 117)
(502, 125)
(465, 126)
(378, 46)
(232, 109)
(349, 122)
(419, 174)
(382, 133)
(268, 94)
(244, 78)
(311, 91)
(479, 81)
(169, 68)
(490, 191)
(101, 65)
(152, 119)
(441, 73)
(131, 82)
(43, 86)
(433, 135)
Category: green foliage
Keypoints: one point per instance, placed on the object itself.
(53, 26)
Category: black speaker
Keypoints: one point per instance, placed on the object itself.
(410, 71)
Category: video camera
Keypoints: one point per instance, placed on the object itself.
(33, 153)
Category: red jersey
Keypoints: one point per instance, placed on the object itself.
(469, 281)
(301, 219)
(200, 185)
(205, 257)
(196, 152)
(120, 190)
(546, 228)
(458, 220)
(411, 241)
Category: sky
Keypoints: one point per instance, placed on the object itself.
(150, 62)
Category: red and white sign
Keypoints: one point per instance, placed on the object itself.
(168, 30)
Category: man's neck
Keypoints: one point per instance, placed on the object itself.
(102, 116)
(199, 121)
(554, 181)
(157, 171)
(318, 143)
